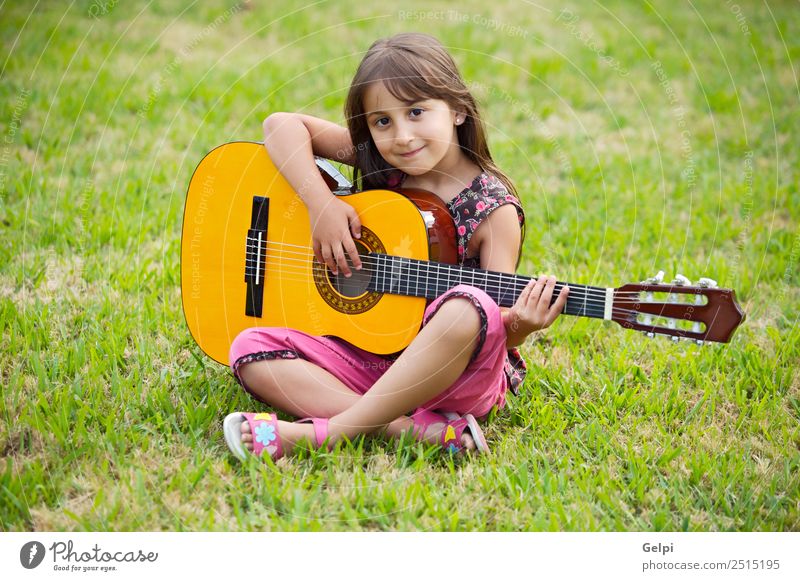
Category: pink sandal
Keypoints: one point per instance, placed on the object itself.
(454, 427)
(264, 427)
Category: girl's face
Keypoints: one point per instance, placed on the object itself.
(416, 137)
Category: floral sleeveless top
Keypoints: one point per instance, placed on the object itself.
(469, 208)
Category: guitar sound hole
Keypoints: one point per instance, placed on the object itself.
(357, 284)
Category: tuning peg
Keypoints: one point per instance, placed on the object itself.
(679, 280)
(648, 298)
(649, 334)
(698, 300)
(657, 279)
(706, 283)
(699, 341)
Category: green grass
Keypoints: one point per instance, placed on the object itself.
(111, 416)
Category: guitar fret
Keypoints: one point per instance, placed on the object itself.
(499, 292)
(508, 295)
(427, 279)
(399, 276)
(580, 307)
(519, 283)
(577, 305)
(479, 280)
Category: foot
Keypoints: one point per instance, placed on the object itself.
(466, 428)
(434, 434)
(290, 434)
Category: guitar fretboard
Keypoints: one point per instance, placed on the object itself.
(420, 278)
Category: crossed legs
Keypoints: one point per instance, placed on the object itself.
(430, 364)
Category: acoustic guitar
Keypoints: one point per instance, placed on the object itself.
(247, 261)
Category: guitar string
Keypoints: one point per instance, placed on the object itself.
(575, 298)
(451, 268)
(583, 306)
(589, 303)
(583, 309)
(595, 306)
(598, 292)
(588, 312)
(413, 280)
(486, 276)
(577, 293)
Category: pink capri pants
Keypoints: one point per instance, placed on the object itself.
(482, 385)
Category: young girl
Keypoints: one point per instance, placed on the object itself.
(411, 123)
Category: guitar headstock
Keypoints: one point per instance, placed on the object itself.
(678, 309)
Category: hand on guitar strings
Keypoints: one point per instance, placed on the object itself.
(533, 311)
(333, 227)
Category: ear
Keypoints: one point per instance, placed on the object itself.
(459, 117)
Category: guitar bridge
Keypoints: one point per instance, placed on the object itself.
(255, 267)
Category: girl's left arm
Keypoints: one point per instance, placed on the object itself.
(499, 247)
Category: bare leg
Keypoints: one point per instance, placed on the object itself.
(303, 389)
(433, 362)
(298, 387)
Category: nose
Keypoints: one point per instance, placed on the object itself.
(403, 134)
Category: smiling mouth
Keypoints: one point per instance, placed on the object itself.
(412, 153)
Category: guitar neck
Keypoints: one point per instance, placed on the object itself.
(419, 278)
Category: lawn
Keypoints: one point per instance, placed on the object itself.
(641, 137)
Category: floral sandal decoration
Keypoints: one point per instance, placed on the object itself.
(263, 426)
(266, 439)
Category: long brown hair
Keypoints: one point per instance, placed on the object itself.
(413, 66)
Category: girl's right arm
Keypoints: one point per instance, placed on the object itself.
(292, 140)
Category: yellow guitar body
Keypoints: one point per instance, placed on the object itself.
(218, 252)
